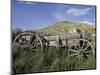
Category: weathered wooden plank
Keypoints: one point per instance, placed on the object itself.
(62, 37)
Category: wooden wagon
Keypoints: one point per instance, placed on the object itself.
(78, 44)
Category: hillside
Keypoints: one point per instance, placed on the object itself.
(63, 27)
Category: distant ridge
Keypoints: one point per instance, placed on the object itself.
(62, 27)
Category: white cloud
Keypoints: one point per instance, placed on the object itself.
(87, 22)
(59, 16)
(31, 3)
(27, 2)
(78, 12)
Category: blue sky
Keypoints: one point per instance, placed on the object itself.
(33, 15)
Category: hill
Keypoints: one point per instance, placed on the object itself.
(64, 26)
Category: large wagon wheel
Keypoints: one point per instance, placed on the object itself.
(30, 40)
(80, 48)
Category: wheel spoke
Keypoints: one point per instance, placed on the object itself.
(88, 51)
(73, 54)
(86, 47)
(35, 40)
(88, 55)
(31, 37)
(83, 44)
(73, 50)
(76, 48)
(35, 45)
(77, 56)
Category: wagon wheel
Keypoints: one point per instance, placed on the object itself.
(30, 40)
(80, 49)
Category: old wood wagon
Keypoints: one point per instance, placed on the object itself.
(78, 44)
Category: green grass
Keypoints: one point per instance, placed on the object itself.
(27, 61)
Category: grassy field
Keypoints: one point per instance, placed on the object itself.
(28, 61)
